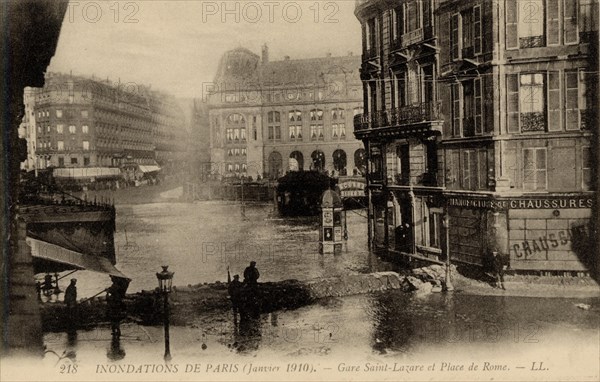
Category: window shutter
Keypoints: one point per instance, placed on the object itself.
(571, 100)
(482, 163)
(584, 118)
(554, 102)
(456, 110)
(553, 22)
(426, 13)
(478, 104)
(512, 22)
(455, 36)
(571, 31)
(512, 106)
(477, 29)
(488, 119)
(445, 41)
(466, 170)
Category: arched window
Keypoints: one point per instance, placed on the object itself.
(273, 117)
(339, 161)
(318, 160)
(235, 119)
(338, 114)
(295, 116)
(296, 161)
(360, 162)
(316, 115)
(275, 165)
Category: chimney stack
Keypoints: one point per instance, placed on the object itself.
(265, 54)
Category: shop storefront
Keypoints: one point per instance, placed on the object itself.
(542, 233)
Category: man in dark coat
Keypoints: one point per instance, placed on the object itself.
(498, 269)
(71, 301)
(116, 309)
(234, 292)
(251, 274)
(71, 294)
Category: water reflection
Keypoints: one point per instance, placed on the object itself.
(394, 324)
(70, 352)
(247, 334)
(115, 352)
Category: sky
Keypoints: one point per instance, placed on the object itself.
(176, 45)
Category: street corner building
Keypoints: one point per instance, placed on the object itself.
(479, 129)
(270, 117)
(87, 129)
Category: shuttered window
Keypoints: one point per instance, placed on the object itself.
(571, 30)
(478, 104)
(586, 167)
(488, 103)
(456, 110)
(571, 100)
(531, 102)
(534, 169)
(512, 90)
(466, 170)
(512, 25)
(554, 102)
(482, 169)
(477, 31)
(455, 36)
(552, 22)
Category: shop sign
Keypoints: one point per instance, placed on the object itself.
(352, 187)
(522, 203)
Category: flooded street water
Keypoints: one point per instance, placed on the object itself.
(395, 329)
(199, 240)
(379, 331)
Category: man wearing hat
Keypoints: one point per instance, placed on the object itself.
(251, 274)
(71, 294)
(71, 300)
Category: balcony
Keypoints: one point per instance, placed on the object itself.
(370, 53)
(402, 179)
(429, 179)
(416, 36)
(405, 115)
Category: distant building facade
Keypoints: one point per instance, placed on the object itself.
(82, 122)
(28, 129)
(478, 128)
(270, 117)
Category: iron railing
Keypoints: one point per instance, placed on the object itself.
(423, 112)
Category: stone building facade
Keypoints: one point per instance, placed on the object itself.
(83, 122)
(270, 117)
(479, 126)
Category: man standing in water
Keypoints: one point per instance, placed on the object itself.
(71, 301)
(498, 268)
(251, 275)
(233, 287)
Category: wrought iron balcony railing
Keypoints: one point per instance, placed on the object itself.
(423, 112)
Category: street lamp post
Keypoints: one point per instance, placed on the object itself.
(446, 224)
(165, 282)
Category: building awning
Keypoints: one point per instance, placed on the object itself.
(52, 252)
(146, 169)
(87, 172)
